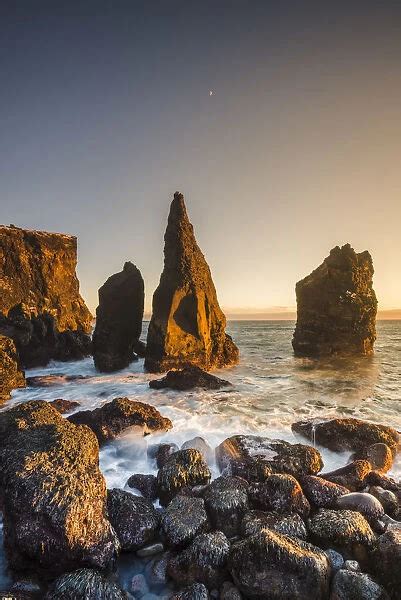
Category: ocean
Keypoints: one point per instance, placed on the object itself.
(271, 389)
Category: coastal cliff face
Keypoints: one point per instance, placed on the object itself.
(337, 306)
(118, 319)
(11, 375)
(38, 269)
(187, 324)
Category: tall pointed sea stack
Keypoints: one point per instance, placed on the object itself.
(118, 319)
(187, 325)
(337, 306)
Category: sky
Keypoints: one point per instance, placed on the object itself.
(106, 111)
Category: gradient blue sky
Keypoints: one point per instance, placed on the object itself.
(105, 111)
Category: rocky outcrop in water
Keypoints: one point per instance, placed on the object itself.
(38, 269)
(337, 306)
(111, 419)
(118, 319)
(11, 374)
(187, 325)
(188, 379)
(53, 492)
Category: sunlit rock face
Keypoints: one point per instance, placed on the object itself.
(187, 325)
(337, 306)
(11, 375)
(118, 319)
(38, 269)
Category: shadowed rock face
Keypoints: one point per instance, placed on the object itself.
(53, 491)
(187, 325)
(337, 306)
(118, 319)
(11, 375)
(38, 269)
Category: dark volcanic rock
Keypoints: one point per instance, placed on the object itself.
(203, 561)
(280, 493)
(38, 269)
(109, 420)
(184, 468)
(145, 484)
(118, 319)
(387, 499)
(379, 455)
(356, 586)
(387, 560)
(187, 325)
(85, 584)
(277, 567)
(161, 452)
(53, 492)
(352, 476)
(341, 528)
(11, 374)
(64, 406)
(347, 434)
(277, 455)
(187, 379)
(226, 501)
(337, 306)
(134, 519)
(288, 524)
(320, 492)
(183, 519)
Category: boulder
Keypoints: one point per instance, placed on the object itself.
(273, 566)
(320, 492)
(187, 324)
(134, 519)
(387, 560)
(11, 374)
(64, 406)
(118, 319)
(280, 493)
(379, 455)
(358, 586)
(347, 434)
(145, 484)
(228, 591)
(200, 444)
(345, 529)
(54, 493)
(38, 269)
(189, 378)
(337, 306)
(85, 584)
(183, 519)
(387, 499)
(226, 502)
(279, 456)
(114, 417)
(290, 524)
(161, 452)
(352, 476)
(204, 561)
(196, 591)
(365, 503)
(184, 468)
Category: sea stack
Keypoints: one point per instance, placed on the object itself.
(187, 324)
(337, 306)
(118, 319)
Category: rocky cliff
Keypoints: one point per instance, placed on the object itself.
(187, 325)
(337, 306)
(118, 319)
(11, 375)
(38, 269)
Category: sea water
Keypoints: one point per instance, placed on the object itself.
(271, 389)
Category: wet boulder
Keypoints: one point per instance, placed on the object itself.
(379, 456)
(53, 491)
(226, 502)
(64, 406)
(277, 455)
(291, 524)
(161, 452)
(118, 319)
(134, 519)
(387, 560)
(85, 584)
(145, 484)
(198, 443)
(341, 529)
(278, 567)
(196, 591)
(320, 492)
(346, 434)
(337, 306)
(111, 419)
(183, 519)
(356, 586)
(352, 476)
(204, 561)
(11, 373)
(184, 468)
(187, 325)
(189, 378)
(387, 499)
(365, 503)
(280, 493)
(229, 591)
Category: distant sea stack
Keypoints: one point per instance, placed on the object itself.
(119, 319)
(337, 306)
(187, 324)
(38, 269)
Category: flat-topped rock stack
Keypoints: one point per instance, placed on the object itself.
(187, 324)
(337, 306)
